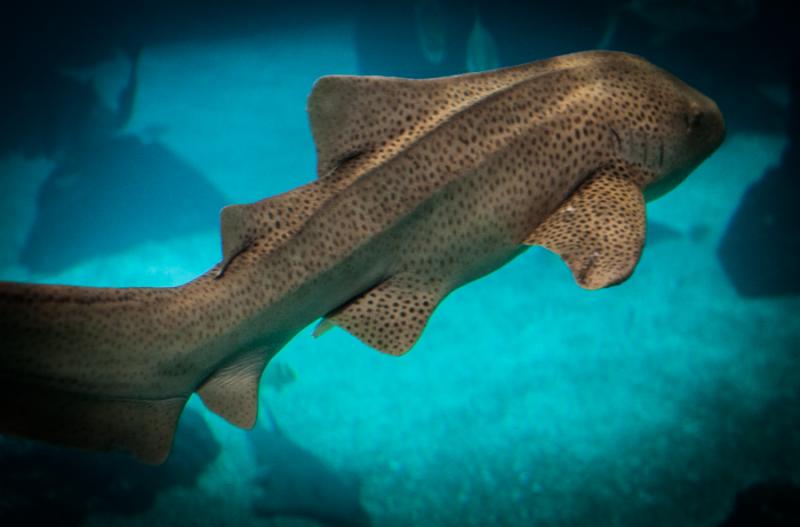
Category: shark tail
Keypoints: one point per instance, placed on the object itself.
(144, 428)
(61, 370)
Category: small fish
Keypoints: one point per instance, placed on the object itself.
(279, 375)
(482, 51)
(423, 186)
(481, 48)
(102, 172)
(431, 25)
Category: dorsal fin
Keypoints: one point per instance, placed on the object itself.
(268, 222)
(234, 223)
(356, 115)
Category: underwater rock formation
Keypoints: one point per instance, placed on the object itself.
(137, 189)
(672, 17)
(108, 191)
(760, 250)
(292, 481)
(766, 504)
(45, 485)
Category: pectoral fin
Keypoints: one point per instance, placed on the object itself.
(599, 231)
(389, 317)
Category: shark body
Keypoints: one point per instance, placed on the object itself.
(423, 186)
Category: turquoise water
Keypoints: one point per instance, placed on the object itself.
(528, 401)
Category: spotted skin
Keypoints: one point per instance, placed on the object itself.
(599, 231)
(423, 186)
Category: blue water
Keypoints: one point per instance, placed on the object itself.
(528, 401)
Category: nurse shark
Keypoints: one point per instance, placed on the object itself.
(422, 187)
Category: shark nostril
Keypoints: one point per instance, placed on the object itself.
(696, 121)
(693, 119)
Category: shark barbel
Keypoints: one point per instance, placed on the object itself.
(423, 186)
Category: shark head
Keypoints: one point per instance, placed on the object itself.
(661, 123)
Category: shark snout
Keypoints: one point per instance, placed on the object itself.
(718, 126)
(706, 124)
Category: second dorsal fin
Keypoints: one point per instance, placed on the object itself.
(268, 222)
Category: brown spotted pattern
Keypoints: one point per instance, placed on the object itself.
(266, 224)
(424, 185)
(599, 231)
(389, 317)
